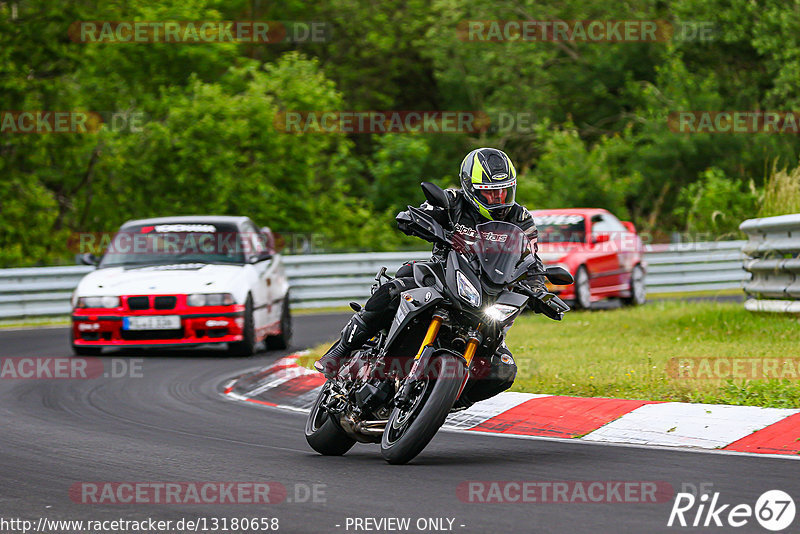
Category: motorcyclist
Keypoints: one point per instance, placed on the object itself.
(488, 186)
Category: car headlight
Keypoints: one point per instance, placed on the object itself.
(467, 291)
(98, 302)
(209, 299)
(500, 312)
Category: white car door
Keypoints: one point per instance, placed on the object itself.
(262, 296)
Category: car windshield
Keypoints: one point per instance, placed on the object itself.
(499, 247)
(171, 243)
(561, 228)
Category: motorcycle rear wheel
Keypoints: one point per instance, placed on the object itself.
(323, 433)
(410, 430)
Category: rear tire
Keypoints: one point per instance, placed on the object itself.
(638, 288)
(409, 431)
(282, 340)
(583, 289)
(247, 346)
(322, 432)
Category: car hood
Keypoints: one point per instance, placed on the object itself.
(555, 252)
(160, 279)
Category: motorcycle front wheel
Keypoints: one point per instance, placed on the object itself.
(410, 429)
(323, 433)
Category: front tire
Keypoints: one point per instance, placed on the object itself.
(583, 289)
(410, 430)
(322, 432)
(247, 346)
(638, 288)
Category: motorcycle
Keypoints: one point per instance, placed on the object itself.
(452, 324)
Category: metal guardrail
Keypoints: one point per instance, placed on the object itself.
(323, 280)
(773, 257)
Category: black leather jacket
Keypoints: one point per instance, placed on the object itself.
(465, 217)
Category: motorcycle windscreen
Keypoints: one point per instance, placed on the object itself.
(500, 247)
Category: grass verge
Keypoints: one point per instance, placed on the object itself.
(626, 353)
(34, 322)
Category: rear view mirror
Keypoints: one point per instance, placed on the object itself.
(600, 238)
(89, 259)
(435, 195)
(559, 276)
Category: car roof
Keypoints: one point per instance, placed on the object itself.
(196, 219)
(570, 211)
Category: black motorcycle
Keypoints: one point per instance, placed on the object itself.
(399, 387)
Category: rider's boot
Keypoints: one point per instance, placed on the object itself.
(355, 333)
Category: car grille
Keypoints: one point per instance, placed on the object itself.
(138, 303)
(161, 302)
(165, 303)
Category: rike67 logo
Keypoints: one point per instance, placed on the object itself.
(774, 510)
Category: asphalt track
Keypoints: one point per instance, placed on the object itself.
(171, 424)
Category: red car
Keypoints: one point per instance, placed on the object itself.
(603, 254)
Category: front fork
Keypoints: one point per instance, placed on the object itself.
(427, 345)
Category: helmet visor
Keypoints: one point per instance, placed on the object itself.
(495, 195)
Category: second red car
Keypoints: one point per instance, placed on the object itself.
(603, 254)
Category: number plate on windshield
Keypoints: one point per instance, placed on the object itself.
(152, 322)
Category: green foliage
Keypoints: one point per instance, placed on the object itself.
(600, 134)
(781, 193)
(716, 204)
(574, 174)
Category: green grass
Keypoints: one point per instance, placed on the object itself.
(34, 322)
(695, 294)
(625, 353)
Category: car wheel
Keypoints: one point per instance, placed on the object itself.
(282, 340)
(247, 346)
(638, 288)
(583, 290)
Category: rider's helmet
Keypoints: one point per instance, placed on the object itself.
(489, 181)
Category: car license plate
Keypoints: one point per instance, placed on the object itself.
(152, 322)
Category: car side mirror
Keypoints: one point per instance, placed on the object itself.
(263, 256)
(435, 195)
(600, 238)
(89, 259)
(629, 225)
(559, 276)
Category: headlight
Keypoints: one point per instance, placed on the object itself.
(500, 312)
(209, 299)
(98, 302)
(467, 291)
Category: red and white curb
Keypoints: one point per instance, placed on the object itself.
(743, 429)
